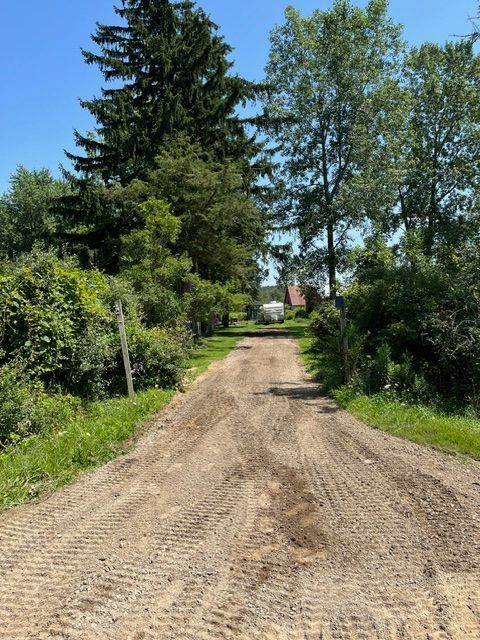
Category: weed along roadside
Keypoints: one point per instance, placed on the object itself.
(450, 431)
(77, 438)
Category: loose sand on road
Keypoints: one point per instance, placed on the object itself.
(253, 508)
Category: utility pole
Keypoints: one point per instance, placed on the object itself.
(340, 305)
(123, 340)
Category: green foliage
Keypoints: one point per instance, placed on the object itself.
(27, 214)
(437, 153)
(58, 326)
(45, 307)
(147, 263)
(207, 299)
(26, 409)
(270, 293)
(171, 74)
(399, 152)
(324, 329)
(300, 314)
(222, 230)
(332, 104)
(413, 325)
(424, 314)
(196, 255)
(157, 357)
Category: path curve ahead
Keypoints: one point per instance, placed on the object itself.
(254, 508)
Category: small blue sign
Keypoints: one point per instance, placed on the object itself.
(340, 302)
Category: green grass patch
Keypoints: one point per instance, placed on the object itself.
(88, 438)
(217, 346)
(421, 424)
(425, 425)
(299, 330)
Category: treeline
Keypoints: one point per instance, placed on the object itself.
(380, 145)
(162, 209)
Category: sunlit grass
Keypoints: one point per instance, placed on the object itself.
(89, 438)
(418, 423)
(425, 425)
(218, 346)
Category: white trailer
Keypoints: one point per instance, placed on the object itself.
(272, 312)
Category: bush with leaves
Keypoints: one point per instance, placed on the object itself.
(25, 408)
(418, 319)
(157, 357)
(57, 325)
(46, 306)
(324, 328)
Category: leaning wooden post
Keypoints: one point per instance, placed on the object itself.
(123, 340)
(340, 304)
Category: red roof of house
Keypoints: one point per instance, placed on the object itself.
(294, 297)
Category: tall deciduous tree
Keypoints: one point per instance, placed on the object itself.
(27, 211)
(331, 95)
(440, 145)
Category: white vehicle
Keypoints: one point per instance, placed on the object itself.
(272, 312)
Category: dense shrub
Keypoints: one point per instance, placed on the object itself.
(95, 361)
(26, 409)
(157, 357)
(289, 313)
(324, 328)
(413, 325)
(58, 327)
(46, 307)
(300, 314)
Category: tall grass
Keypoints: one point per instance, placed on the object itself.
(419, 423)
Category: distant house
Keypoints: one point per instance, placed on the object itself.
(294, 298)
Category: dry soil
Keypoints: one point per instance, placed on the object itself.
(253, 508)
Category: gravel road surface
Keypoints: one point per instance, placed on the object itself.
(253, 508)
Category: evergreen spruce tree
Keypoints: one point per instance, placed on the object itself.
(167, 72)
(167, 75)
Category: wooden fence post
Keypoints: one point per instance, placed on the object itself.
(123, 340)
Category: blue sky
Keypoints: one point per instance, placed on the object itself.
(42, 72)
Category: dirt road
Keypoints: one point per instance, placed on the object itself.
(253, 508)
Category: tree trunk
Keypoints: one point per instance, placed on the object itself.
(429, 236)
(209, 330)
(332, 258)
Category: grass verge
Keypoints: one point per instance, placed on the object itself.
(217, 347)
(419, 423)
(93, 435)
(89, 437)
(454, 433)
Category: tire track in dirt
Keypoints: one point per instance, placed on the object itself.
(253, 508)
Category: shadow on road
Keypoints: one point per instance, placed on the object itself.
(304, 393)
